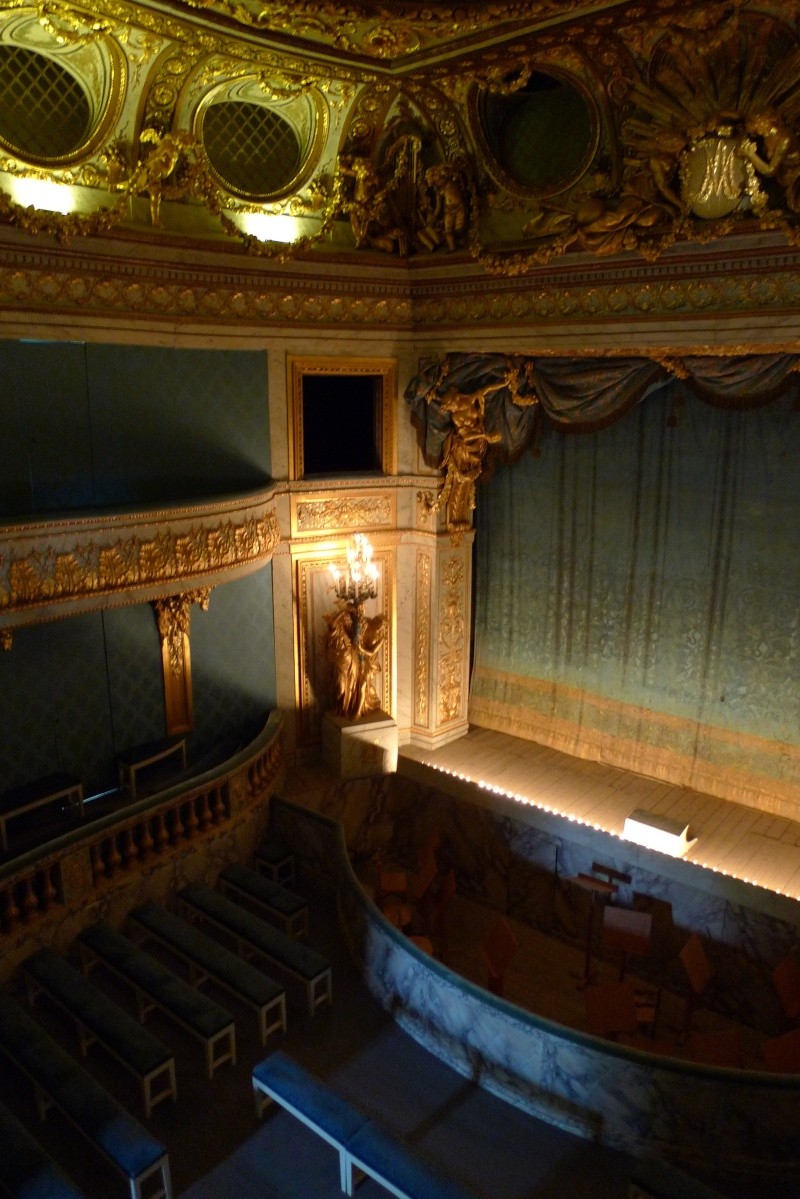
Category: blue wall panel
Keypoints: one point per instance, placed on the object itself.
(45, 447)
(233, 664)
(176, 424)
(88, 425)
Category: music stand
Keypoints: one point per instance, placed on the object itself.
(598, 888)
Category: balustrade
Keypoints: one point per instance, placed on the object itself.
(30, 894)
(163, 827)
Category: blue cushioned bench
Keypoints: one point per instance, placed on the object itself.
(289, 910)
(275, 861)
(155, 986)
(206, 958)
(26, 1170)
(253, 935)
(654, 1178)
(98, 1018)
(361, 1144)
(59, 1081)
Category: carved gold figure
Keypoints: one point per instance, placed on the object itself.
(352, 644)
(467, 443)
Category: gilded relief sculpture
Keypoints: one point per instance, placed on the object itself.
(468, 440)
(352, 640)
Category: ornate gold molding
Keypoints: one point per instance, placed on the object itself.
(422, 640)
(452, 639)
(57, 568)
(172, 614)
(340, 513)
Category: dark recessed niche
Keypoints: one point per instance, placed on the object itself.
(543, 136)
(342, 424)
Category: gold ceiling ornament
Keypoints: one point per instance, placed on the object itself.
(710, 148)
(467, 441)
(175, 168)
(70, 26)
(404, 178)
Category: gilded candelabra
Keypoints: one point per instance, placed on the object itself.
(353, 640)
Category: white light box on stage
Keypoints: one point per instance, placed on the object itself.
(658, 832)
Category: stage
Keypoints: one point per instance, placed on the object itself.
(743, 843)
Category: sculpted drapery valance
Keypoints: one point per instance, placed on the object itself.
(470, 408)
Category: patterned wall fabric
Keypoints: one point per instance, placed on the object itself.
(54, 704)
(651, 568)
(233, 665)
(87, 425)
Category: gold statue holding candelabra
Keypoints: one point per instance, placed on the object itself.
(353, 640)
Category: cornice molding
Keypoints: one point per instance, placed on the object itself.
(755, 280)
(55, 568)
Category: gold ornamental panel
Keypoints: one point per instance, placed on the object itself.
(343, 512)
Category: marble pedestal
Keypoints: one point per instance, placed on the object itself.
(354, 749)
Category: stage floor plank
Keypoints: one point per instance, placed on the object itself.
(746, 843)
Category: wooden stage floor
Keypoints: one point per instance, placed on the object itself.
(747, 844)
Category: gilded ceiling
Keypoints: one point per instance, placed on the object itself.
(509, 134)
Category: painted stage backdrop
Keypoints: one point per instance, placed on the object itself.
(638, 594)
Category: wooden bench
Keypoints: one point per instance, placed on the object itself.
(26, 1170)
(360, 1143)
(35, 795)
(253, 935)
(131, 761)
(59, 1081)
(275, 861)
(289, 910)
(206, 958)
(155, 986)
(98, 1018)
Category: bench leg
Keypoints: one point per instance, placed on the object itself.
(345, 1171)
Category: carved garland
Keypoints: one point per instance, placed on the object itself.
(48, 575)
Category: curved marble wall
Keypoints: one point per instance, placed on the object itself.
(736, 1121)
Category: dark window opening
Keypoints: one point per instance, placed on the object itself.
(342, 424)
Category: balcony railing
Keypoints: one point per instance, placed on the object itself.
(79, 868)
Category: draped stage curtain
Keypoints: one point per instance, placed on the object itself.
(638, 587)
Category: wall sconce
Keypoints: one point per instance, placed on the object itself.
(353, 640)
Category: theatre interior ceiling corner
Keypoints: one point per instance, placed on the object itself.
(546, 161)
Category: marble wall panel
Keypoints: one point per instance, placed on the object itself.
(735, 1123)
(508, 858)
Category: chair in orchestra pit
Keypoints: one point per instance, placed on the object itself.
(786, 977)
(622, 1007)
(393, 897)
(722, 1048)
(699, 972)
(627, 932)
(498, 949)
(782, 1054)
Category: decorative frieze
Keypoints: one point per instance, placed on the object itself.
(55, 568)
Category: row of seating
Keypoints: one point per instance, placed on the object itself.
(361, 1144)
(59, 1080)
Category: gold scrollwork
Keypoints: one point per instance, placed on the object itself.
(422, 640)
(452, 625)
(173, 619)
